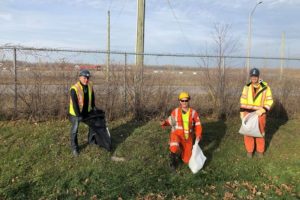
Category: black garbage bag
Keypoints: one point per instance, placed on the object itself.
(98, 133)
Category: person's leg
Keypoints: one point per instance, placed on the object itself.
(73, 133)
(174, 150)
(262, 123)
(187, 146)
(260, 142)
(90, 136)
(260, 145)
(249, 145)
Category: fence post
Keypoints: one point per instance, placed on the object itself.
(125, 89)
(15, 83)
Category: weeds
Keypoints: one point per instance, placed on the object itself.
(37, 163)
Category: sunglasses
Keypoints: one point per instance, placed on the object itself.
(184, 100)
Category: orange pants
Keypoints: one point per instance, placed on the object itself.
(260, 142)
(178, 144)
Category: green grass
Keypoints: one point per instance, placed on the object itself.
(36, 163)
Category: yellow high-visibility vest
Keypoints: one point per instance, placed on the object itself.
(262, 98)
(185, 120)
(80, 96)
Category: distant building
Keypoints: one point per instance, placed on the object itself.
(93, 67)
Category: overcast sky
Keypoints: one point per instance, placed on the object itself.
(171, 26)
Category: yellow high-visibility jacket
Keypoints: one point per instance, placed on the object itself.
(261, 99)
(79, 91)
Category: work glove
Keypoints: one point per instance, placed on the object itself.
(241, 115)
(260, 111)
(162, 123)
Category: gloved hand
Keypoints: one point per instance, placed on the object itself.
(162, 123)
(260, 111)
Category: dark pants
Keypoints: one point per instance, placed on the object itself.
(74, 131)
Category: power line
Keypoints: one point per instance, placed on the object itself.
(181, 29)
(120, 12)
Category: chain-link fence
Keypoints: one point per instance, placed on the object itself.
(35, 82)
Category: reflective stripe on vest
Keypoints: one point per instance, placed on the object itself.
(174, 144)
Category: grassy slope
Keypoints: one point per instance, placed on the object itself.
(36, 163)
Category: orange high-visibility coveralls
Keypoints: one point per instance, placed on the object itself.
(178, 142)
(252, 100)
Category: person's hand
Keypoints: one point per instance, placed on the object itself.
(79, 118)
(162, 123)
(260, 111)
(241, 115)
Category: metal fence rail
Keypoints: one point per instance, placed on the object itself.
(31, 76)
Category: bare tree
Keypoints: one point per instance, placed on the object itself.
(215, 78)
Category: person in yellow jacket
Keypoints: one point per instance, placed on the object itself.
(82, 102)
(256, 97)
(186, 127)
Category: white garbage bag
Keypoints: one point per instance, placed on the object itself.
(197, 159)
(250, 125)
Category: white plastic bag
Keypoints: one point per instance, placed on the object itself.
(197, 159)
(250, 125)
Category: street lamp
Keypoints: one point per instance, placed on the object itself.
(249, 35)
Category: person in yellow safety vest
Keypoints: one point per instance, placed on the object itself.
(82, 102)
(256, 97)
(186, 126)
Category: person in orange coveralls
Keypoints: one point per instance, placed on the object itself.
(256, 97)
(186, 126)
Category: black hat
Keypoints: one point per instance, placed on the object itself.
(254, 72)
(85, 73)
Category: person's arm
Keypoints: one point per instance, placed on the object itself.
(198, 127)
(75, 102)
(164, 123)
(93, 100)
(170, 121)
(269, 100)
(243, 101)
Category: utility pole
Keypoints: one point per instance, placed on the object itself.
(108, 46)
(282, 54)
(140, 33)
(139, 58)
(250, 35)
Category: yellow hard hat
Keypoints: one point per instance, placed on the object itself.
(183, 95)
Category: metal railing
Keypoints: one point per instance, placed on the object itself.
(20, 64)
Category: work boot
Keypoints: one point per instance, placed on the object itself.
(173, 161)
(249, 154)
(75, 152)
(260, 155)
